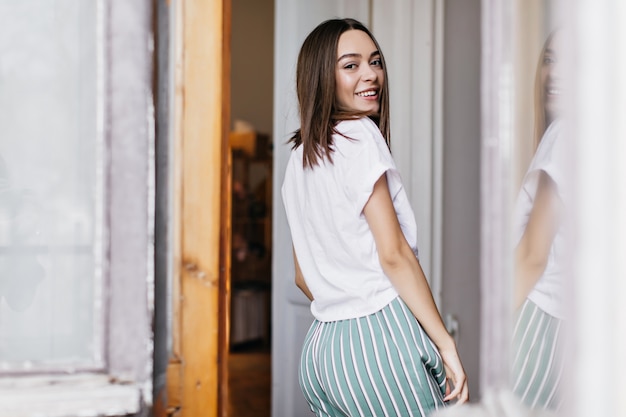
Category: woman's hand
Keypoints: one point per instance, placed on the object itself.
(456, 384)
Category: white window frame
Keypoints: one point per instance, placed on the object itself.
(125, 387)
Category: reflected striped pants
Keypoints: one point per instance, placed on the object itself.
(537, 357)
(383, 364)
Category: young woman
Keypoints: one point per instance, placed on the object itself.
(538, 360)
(377, 346)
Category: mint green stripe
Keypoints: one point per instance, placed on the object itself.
(365, 358)
(420, 359)
(538, 363)
(353, 373)
(424, 397)
(391, 363)
(378, 368)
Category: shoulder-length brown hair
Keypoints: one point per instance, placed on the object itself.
(541, 118)
(316, 90)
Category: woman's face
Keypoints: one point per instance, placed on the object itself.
(359, 74)
(551, 78)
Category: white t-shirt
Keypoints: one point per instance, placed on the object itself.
(551, 158)
(332, 239)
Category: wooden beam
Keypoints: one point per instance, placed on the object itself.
(200, 132)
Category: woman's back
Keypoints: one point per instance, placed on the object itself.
(324, 204)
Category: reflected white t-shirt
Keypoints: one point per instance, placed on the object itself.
(332, 239)
(551, 158)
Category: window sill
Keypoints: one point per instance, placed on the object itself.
(67, 396)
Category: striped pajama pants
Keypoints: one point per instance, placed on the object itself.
(383, 364)
(537, 357)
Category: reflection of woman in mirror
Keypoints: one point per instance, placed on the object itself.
(538, 292)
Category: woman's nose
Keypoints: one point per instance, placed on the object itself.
(368, 73)
(555, 70)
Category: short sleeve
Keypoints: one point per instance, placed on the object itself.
(552, 158)
(365, 167)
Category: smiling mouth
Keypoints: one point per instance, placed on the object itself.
(368, 93)
(553, 91)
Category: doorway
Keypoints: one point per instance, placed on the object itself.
(251, 145)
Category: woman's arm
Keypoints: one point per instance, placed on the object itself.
(403, 269)
(531, 254)
(300, 278)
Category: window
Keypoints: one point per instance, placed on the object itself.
(51, 232)
(76, 207)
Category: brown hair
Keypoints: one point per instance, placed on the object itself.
(316, 90)
(540, 105)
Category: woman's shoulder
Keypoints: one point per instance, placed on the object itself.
(361, 126)
(553, 131)
(359, 140)
(551, 156)
(550, 142)
(357, 134)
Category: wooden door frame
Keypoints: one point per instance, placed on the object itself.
(197, 373)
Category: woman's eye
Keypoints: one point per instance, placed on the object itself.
(548, 60)
(350, 66)
(377, 62)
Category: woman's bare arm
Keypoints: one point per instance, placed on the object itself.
(403, 269)
(300, 278)
(531, 254)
